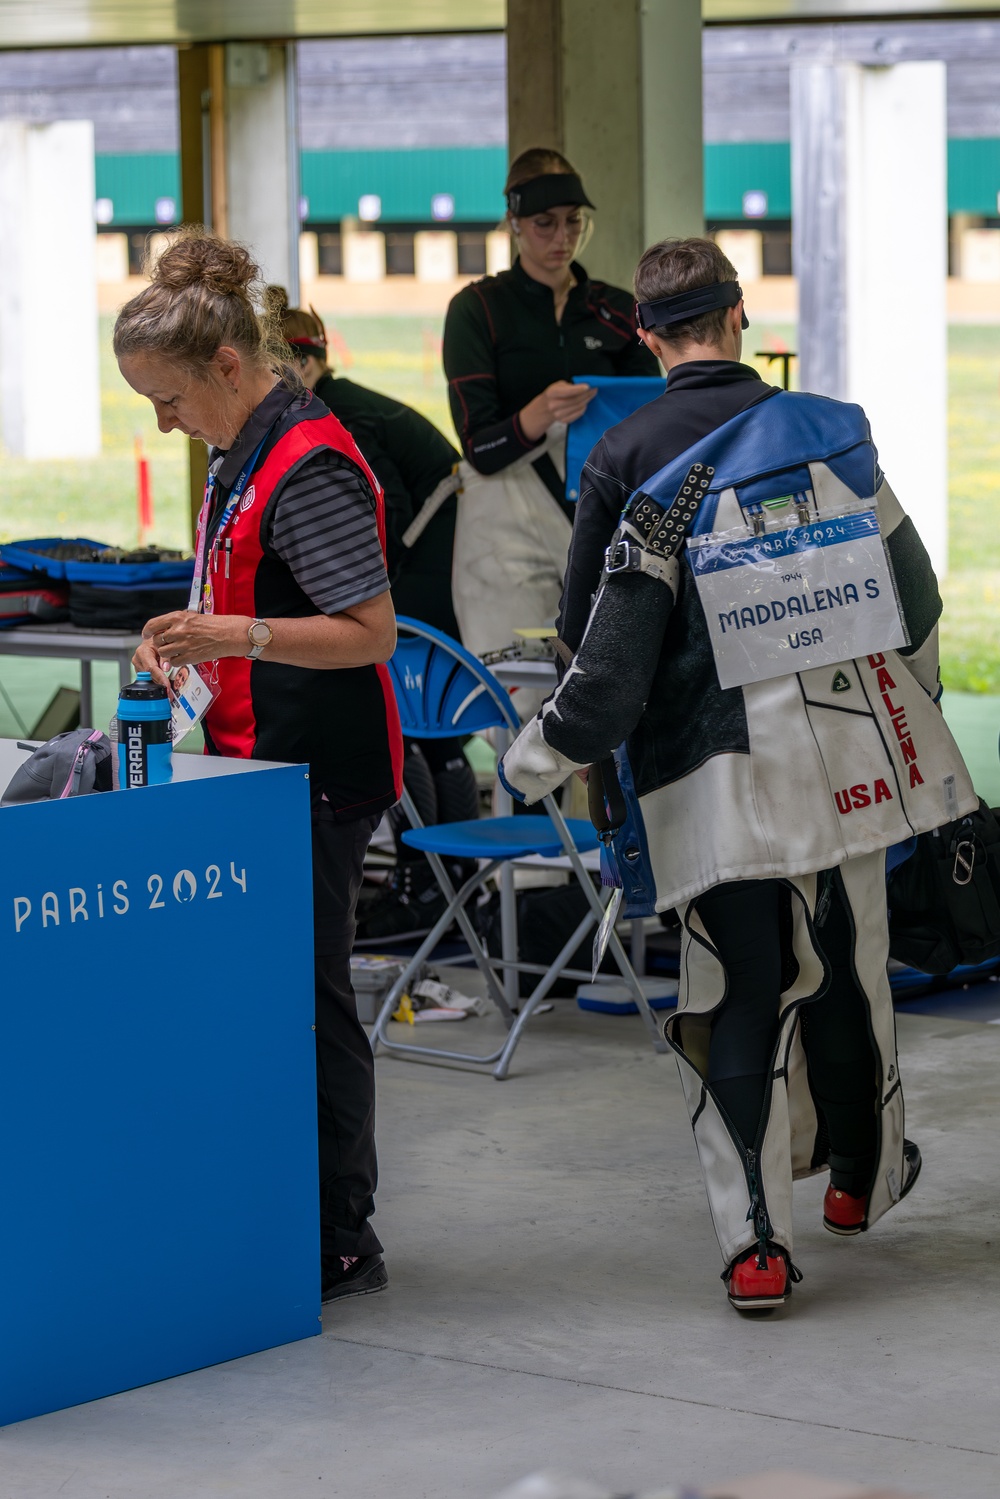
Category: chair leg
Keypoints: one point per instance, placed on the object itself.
(427, 946)
(407, 1048)
(539, 993)
(617, 951)
(503, 1001)
(497, 994)
(508, 935)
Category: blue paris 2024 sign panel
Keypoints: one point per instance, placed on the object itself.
(158, 1166)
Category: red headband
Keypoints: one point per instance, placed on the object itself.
(307, 343)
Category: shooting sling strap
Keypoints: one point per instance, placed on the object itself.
(648, 536)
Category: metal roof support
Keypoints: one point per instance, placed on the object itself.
(616, 86)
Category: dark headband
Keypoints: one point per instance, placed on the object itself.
(690, 304)
(551, 190)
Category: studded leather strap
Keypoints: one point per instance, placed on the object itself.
(661, 531)
(664, 530)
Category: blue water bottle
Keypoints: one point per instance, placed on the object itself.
(144, 733)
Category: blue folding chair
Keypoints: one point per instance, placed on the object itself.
(442, 691)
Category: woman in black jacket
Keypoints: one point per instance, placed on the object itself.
(512, 344)
(414, 464)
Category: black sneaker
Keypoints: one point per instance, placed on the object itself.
(409, 902)
(346, 1275)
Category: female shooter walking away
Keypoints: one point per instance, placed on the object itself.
(415, 466)
(512, 344)
(290, 618)
(770, 759)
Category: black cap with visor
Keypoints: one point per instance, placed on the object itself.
(550, 190)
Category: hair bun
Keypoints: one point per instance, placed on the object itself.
(203, 259)
(276, 300)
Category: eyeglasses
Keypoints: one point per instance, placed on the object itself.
(546, 226)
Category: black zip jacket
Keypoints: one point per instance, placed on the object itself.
(503, 347)
(409, 457)
(699, 397)
(669, 688)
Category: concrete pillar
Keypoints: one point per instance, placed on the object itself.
(48, 289)
(616, 86)
(870, 226)
(240, 162)
(262, 152)
(201, 125)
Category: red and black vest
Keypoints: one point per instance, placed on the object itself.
(343, 723)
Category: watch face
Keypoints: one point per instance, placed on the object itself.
(260, 633)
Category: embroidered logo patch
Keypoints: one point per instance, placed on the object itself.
(593, 343)
(840, 683)
(248, 498)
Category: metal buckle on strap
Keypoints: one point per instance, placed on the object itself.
(622, 557)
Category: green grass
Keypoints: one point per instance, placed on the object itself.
(96, 498)
(401, 356)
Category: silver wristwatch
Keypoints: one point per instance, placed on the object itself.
(259, 635)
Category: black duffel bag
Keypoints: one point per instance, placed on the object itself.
(125, 609)
(944, 900)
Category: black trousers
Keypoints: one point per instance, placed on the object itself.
(748, 922)
(345, 1067)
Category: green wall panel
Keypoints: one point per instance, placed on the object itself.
(974, 175)
(747, 166)
(406, 181)
(134, 182)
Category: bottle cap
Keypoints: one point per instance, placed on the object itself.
(144, 676)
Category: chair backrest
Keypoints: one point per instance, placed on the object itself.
(442, 689)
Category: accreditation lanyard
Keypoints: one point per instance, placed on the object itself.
(200, 601)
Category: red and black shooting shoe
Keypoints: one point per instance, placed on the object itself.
(758, 1281)
(844, 1214)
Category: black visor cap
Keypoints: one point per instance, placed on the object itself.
(551, 190)
(690, 304)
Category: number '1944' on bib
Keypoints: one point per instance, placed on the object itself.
(789, 600)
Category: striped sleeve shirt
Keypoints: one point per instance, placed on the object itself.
(323, 528)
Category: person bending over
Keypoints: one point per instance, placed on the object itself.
(291, 621)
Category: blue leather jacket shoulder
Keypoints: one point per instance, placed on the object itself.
(784, 433)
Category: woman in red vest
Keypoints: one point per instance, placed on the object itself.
(291, 620)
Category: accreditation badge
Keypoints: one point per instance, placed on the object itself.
(795, 598)
(192, 694)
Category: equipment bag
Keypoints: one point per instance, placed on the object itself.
(944, 900)
(72, 764)
(126, 609)
(26, 599)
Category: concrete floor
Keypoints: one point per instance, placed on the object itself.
(555, 1301)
